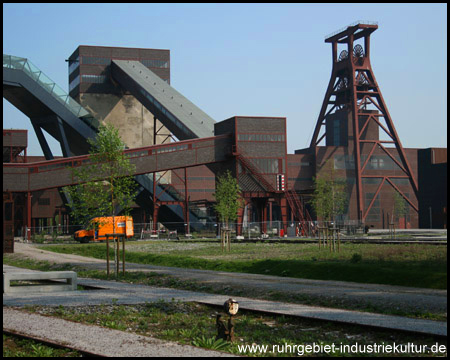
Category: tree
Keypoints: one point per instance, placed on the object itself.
(106, 185)
(330, 194)
(228, 202)
(401, 207)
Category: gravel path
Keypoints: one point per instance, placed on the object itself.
(95, 339)
(384, 296)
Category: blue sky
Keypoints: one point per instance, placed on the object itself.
(251, 59)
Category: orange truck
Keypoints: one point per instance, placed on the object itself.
(103, 226)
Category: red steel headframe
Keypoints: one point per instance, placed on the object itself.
(353, 87)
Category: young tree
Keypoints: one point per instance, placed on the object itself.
(228, 202)
(400, 206)
(330, 194)
(106, 184)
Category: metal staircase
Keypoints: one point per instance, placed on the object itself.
(300, 213)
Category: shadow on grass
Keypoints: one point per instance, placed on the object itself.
(418, 273)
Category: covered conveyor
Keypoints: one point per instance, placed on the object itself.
(184, 119)
(48, 106)
(25, 177)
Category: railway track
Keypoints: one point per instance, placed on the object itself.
(50, 343)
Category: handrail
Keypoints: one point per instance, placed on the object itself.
(37, 75)
(358, 22)
(256, 173)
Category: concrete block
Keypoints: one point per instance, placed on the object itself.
(69, 285)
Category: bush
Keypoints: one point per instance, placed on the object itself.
(356, 258)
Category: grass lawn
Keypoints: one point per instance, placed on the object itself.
(422, 266)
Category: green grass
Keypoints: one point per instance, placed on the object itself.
(423, 266)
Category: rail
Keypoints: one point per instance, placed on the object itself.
(25, 65)
(358, 22)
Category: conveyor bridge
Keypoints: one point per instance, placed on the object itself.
(20, 177)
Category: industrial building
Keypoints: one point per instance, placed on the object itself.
(179, 150)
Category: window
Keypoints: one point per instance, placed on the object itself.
(371, 181)
(73, 64)
(374, 213)
(267, 166)
(155, 63)
(74, 83)
(380, 162)
(44, 201)
(342, 162)
(400, 182)
(260, 137)
(96, 79)
(90, 60)
(337, 132)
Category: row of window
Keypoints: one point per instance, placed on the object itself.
(377, 181)
(201, 178)
(267, 166)
(261, 137)
(93, 79)
(91, 60)
(73, 64)
(374, 213)
(172, 148)
(137, 153)
(337, 132)
(44, 201)
(197, 190)
(380, 162)
(163, 64)
(301, 163)
(376, 162)
(74, 83)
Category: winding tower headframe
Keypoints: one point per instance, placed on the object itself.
(354, 90)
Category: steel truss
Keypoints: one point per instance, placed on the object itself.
(353, 88)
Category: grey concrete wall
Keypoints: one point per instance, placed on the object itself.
(126, 113)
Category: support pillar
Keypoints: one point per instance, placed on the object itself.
(28, 235)
(186, 199)
(240, 220)
(264, 216)
(270, 214)
(284, 215)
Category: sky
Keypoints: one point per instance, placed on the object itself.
(250, 59)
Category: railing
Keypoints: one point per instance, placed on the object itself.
(362, 22)
(256, 173)
(260, 231)
(23, 64)
(300, 213)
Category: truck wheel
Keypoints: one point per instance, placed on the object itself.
(84, 240)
